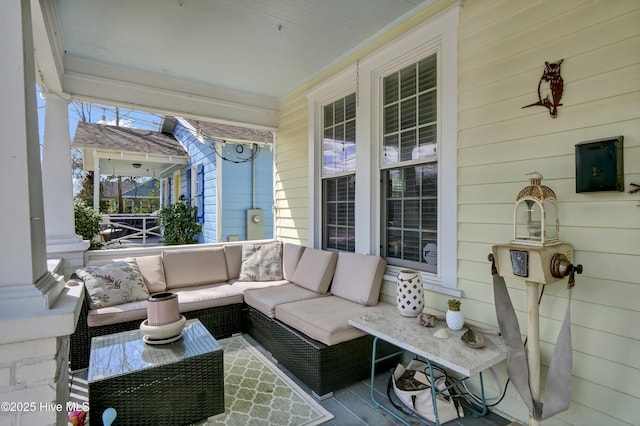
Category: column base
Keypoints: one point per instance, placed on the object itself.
(70, 250)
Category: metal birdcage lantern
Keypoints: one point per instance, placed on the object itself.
(535, 215)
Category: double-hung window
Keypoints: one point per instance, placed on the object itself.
(410, 166)
(338, 174)
(403, 204)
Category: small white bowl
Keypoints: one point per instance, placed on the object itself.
(159, 332)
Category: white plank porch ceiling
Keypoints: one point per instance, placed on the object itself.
(258, 47)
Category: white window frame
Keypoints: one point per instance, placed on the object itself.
(436, 35)
(165, 191)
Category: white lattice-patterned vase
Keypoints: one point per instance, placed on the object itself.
(454, 317)
(409, 294)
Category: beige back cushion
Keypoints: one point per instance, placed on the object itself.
(358, 277)
(315, 270)
(189, 267)
(152, 272)
(233, 255)
(291, 254)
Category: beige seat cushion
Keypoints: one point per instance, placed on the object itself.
(358, 277)
(315, 270)
(325, 319)
(191, 267)
(243, 286)
(189, 299)
(207, 296)
(265, 300)
(116, 314)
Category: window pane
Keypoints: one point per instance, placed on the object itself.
(408, 81)
(339, 111)
(427, 107)
(390, 88)
(391, 122)
(428, 175)
(338, 213)
(350, 107)
(330, 192)
(427, 141)
(407, 145)
(339, 132)
(427, 73)
(328, 116)
(411, 249)
(411, 214)
(408, 113)
(391, 149)
(430, 214)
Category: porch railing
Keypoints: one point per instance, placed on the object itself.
(119, 227)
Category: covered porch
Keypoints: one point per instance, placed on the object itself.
(277, 66)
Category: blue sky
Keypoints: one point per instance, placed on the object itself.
(94, 113)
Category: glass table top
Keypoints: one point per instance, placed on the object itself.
(126, 352)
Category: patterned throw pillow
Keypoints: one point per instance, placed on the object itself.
(113, 284)
(261, 262)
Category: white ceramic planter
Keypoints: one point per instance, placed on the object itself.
(409, 294)
(455, 320)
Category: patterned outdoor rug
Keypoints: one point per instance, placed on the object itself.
(256, 392)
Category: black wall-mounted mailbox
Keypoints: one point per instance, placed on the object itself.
(599, 165)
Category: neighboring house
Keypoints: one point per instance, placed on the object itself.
(123, 151)
(229, 177)
(143, 197)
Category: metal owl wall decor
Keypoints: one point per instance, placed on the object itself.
(550, 88)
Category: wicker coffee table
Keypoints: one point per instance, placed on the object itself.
(177, 383)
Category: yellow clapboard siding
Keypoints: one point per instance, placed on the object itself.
(531, 47)
(532, 147)
(590, 63)
(577, 92)
(502, 48)
(537, 121)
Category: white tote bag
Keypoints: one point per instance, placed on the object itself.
(412, 386)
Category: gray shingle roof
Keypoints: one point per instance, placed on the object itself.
(228, 131)
(100, 136)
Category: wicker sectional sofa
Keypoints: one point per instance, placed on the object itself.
(302, 318)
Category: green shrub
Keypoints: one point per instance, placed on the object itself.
(87, 222)
(179, 223)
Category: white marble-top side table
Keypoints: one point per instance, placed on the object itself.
(451, 353)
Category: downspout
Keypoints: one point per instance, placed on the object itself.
(218, 198)
(96, 182)
(253, 178)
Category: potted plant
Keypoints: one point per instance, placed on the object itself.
(179, 223)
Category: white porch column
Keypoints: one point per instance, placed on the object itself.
(37, 311)
(57, 185)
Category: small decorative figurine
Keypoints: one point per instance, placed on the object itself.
(455, 319)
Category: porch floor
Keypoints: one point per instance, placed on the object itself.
(351, 406)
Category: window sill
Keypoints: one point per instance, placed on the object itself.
(429, 282)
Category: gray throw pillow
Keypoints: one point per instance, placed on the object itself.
(261, 262)
(113, 284)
